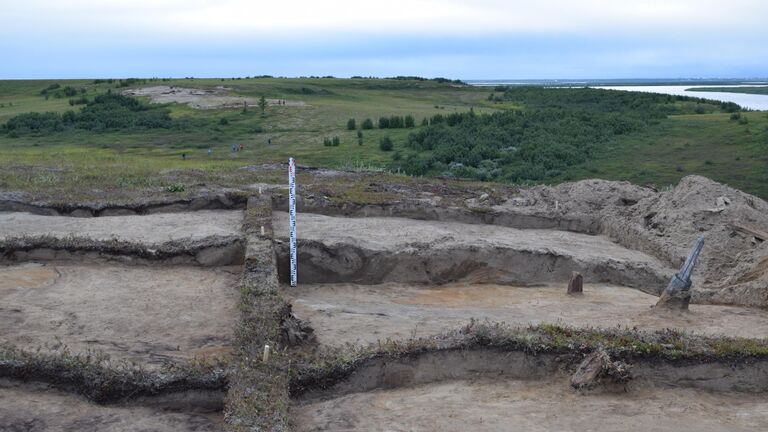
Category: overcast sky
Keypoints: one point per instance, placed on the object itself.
(491, 39)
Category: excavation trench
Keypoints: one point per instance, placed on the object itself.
(207, 238)
(377, 250)
(495, 388)
(125, 310)
(364, 281)
(38, 407)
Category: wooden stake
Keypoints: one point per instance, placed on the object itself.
(265, 357)
(576, 284)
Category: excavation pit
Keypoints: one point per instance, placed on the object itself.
(380, 249)
(36, 407)
(548, 404)
(150, 315)
(206, 237)
(363, 314)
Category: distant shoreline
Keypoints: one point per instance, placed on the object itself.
(616, 82)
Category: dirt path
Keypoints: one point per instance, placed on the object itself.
(149, 315)
(512, 405)
(35, 408)
(342, 313)
(149, 229)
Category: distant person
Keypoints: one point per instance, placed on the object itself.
(269, 141)
(210, 150)
(234, 148)
(242, 147)
(184, 156)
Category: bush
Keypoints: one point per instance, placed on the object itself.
(410, 121)
(331, 142)
(385, 144)
(351, 124)
(736, 116)
(367, 124)
(560, 128)
(359, 134)
(107, 111)
(384, 123)
(223, 121)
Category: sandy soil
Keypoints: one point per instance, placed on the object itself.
(512, 405)
(342, 313)
(35, 408)
(219, 97)
(149, 315)
(387, 249)
(397, 233)
(149, 229)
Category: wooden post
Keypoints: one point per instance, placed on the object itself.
(576, 284)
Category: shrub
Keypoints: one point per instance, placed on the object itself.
(410, 121)
(383, 123)
(336, 141)
(223, 121)
(385, 144)
(359, 134)
(351, 124)
(367, 124)
(735, 116)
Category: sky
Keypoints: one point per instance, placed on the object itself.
(481, 39)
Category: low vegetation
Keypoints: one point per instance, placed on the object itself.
(98, 138)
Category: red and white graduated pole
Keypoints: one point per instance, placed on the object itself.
(292, 213)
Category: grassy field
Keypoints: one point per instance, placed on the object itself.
(735, 152)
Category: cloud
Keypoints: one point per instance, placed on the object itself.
(461, 39)
(312, 18)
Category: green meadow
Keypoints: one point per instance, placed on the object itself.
(709, 142)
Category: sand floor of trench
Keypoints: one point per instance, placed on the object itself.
(536, 405)
(149, 229)
(147, 314)
(342, 313)
(35, 408)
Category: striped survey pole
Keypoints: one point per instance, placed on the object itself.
(292, 213)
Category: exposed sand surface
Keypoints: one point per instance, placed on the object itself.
(146, 314)
(218, 97)
(382, 249)
(342, 313)
(25, 408)
(393, 234)
(149, 229)
(531, 406)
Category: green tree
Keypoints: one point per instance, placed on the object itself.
(367, 124)
(385, 144)
(263, 104)
(351, 124)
